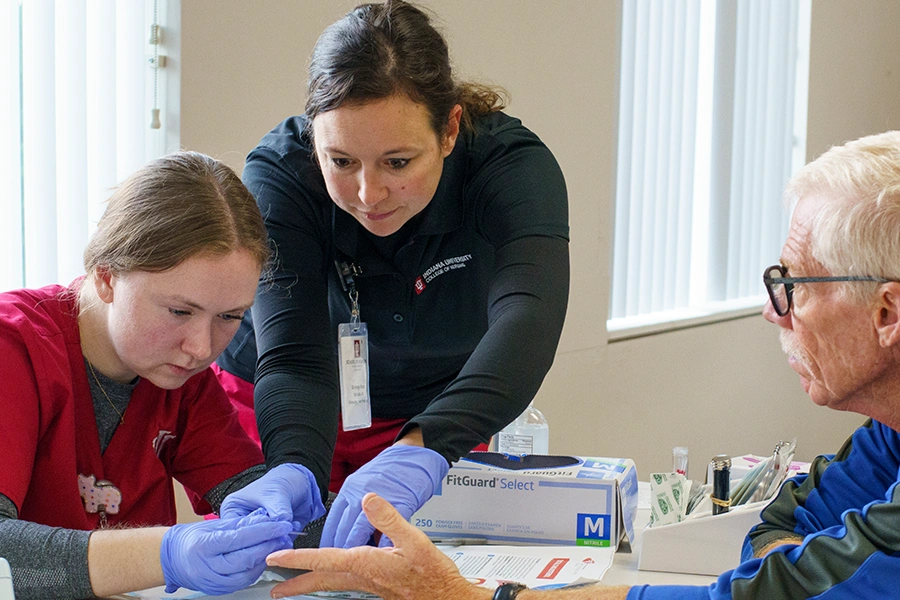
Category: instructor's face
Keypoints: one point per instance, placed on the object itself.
(382, 160)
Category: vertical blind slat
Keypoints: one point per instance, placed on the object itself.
(687, 152)
(101, 86)
(750, 231)
(71, 155)
(671, 190)
(739, 151)
(132, 118)
(742, 226)
(648, 145)
(39, 147)
(677, 158)
(701, 180)
(623, 167)
(663, 139)
(635, 279)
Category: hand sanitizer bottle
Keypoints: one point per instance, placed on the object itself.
(528, 434)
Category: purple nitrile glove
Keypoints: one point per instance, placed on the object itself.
(223, 555)
(288, 492)
(405, 476)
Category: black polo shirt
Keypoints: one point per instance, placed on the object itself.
(464, 304)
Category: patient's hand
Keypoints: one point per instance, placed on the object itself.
(413, 568)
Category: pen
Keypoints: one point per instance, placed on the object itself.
(721, 494)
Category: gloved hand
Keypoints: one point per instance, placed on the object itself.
(222, 555)
(288, 492)
(405, 476)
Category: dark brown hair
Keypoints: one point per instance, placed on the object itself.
(378, 50)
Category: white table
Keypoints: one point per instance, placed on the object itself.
(624, 570)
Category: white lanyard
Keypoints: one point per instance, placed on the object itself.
(353, 357)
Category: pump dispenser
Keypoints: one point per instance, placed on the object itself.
(528, 434)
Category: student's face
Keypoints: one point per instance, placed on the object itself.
(829, 339)
(169, 326)
(382, 160)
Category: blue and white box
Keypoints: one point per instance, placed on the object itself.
(491, 499)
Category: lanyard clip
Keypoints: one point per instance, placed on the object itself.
(346, 272)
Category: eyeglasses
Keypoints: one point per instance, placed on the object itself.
(781, 288)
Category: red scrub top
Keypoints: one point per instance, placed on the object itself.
(48, 431)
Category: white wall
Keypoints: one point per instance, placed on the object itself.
(722, 387)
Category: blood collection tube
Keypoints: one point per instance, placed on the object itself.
(680, 460)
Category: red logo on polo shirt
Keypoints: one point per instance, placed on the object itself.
(420, 285)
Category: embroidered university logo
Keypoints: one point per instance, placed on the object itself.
(161, 439)
(439, 268)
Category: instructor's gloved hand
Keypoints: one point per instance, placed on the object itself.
(288, 492)
(405, 476)
(222, 555)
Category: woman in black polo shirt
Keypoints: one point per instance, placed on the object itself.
(445, 220)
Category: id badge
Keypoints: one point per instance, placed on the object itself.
(353, 356)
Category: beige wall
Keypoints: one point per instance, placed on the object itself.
(717, 388)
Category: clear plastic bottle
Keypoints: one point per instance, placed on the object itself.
(528, 434)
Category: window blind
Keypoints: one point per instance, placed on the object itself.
(74, 113)
(711, 124)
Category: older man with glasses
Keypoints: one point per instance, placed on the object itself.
(832, 534)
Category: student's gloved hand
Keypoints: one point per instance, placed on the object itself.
(405, 476)
(287, 492)
(222, 555)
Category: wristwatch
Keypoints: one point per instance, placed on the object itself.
(508, 591)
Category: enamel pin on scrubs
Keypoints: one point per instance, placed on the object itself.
(99, 497)
(353, 357)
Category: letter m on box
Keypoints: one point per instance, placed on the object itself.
(592, 530)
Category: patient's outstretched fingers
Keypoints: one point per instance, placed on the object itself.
(391, 523)
(317, 582)
(311, 559)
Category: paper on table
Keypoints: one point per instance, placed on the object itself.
(538, 567)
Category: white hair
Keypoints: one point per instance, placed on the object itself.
(856, 227)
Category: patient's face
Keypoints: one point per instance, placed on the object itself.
(830, 340)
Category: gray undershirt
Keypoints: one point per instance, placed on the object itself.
(51, 562)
